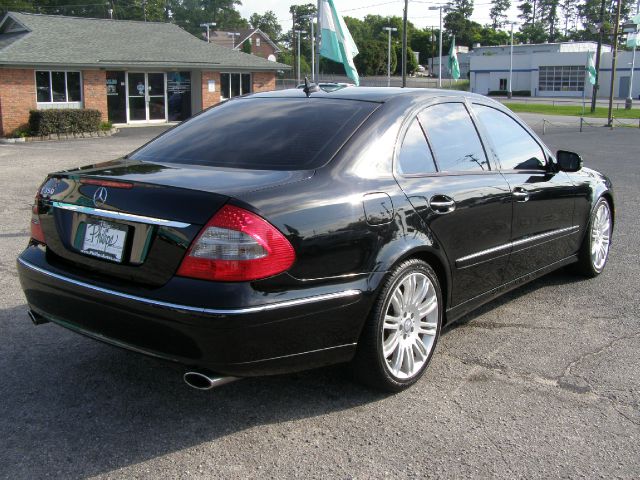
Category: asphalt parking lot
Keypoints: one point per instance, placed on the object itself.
(544, 382)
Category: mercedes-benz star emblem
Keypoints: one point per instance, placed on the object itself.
(100, 197)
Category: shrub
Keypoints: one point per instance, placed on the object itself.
(21, 132)
(515, 93)
(47, 122)
(106, 126)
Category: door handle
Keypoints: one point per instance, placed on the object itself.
(442, 204)
(520, 194)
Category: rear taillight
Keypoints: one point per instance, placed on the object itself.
(36, 228)
(235, 246)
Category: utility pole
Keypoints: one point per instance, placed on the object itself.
(614, 60)
(299, 33)
(439, 7)
(404, 44)
(596, 86)
(389, 29)
(207, 26)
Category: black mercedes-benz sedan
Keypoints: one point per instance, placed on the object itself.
(279, 231)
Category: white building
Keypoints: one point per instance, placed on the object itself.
(550, 70)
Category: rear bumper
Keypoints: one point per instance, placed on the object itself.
(317, 326)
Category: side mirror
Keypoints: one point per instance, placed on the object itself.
(568, 161)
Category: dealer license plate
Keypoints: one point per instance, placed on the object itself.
(104, 240)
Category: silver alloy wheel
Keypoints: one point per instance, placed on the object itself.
(600, 236)
(410, 326)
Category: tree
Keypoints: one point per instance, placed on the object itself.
(498, 12)
(268, 23)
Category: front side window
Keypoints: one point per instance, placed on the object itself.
(512, 144)
(58, 87)
(415, 156)
(234, 84)
(454, 139)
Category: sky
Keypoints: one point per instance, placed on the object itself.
(419, 13)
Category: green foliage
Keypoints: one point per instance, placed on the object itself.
(106, 126)
(246, 47)
(268, 23)
(21, 132)
(47, 122)
(462, 85)
(498, 12)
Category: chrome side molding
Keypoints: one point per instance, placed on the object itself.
(131, 217)
(188, 308)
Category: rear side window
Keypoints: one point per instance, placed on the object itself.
(513, 145)
(454, 139)
(415, 157)
(261, 134)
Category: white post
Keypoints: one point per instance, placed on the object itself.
(313, 53)
(510, 90)
(318, 39)
(299, 32)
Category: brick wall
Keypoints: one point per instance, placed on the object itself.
(264, 81)
(210, 98)
(94, 91)
(17, 97)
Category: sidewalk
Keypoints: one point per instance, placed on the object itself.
(540, 121)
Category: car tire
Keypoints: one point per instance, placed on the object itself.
(400, 335)
(594, 250)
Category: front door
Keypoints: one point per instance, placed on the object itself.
(543, 200)
(147, 98)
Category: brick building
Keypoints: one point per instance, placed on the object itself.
(132, 72)
(244, 40)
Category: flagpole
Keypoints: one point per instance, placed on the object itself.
(584, 87)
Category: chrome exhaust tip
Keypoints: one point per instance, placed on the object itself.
(36, 318)
(205, 381)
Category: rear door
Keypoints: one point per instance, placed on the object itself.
(465, 202)
(543, 200)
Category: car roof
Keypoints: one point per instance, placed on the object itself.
(368, 94)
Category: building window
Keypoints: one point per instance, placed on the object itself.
(503, 84)
(234, 84)
(257, 41)
(568, 78)
(58, 87)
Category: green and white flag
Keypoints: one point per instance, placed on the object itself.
(337, 43)
(591, 68)
(454, 66)
(633, 40)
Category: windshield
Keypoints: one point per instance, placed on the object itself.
(261, 134)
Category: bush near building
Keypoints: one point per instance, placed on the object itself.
(52, 121)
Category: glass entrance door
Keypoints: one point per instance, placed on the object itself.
(146, 96)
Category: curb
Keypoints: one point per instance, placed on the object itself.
(60, 136)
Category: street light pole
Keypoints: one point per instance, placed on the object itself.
(596, 86)
(510, 90)
(389, 29)
(233, 36)
(614, 61)
(629, 103)
(207, 26)
(299, 33)
(439, 7)
(313, 47)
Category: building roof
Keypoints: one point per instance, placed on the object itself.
(223, 38)
(53, 40)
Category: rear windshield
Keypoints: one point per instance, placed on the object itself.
(261, 134)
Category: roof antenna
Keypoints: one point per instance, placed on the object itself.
(310, 88)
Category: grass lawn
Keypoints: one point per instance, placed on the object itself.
(572, 110)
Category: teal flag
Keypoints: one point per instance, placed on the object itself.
(337, 43)
(591, 68)
(454, 66)
(633, 40)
